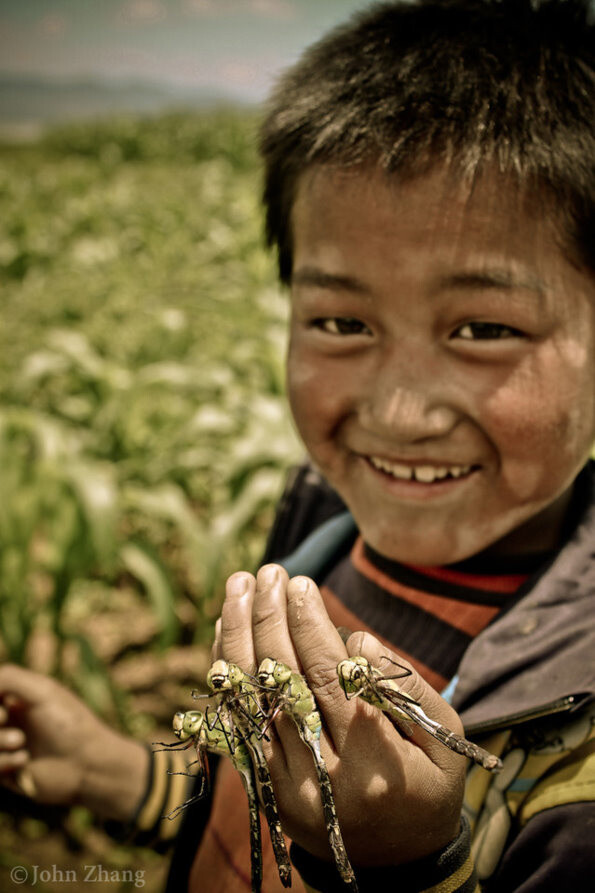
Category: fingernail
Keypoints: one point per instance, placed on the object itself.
(269, 574)
(300, 584)
(238, 585)
(26, 783)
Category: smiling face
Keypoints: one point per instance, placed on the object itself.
(441, 365)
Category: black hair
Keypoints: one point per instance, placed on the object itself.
(470, 82)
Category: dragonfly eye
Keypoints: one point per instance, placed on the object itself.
(178, 723)
(193, 721)
(235, 675)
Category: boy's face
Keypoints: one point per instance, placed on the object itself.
(442, 361)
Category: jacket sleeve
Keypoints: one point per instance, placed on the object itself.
(169, 791)
(449, 871)
(555, 851)
(553, 845)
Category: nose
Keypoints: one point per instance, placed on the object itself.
(408, 400)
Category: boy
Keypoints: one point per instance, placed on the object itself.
(430, 186)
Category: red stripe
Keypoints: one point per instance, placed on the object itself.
(507, 584)
(342, 616)
(467, 617)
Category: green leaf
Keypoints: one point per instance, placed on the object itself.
(141, 561)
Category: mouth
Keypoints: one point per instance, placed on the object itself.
(422, 473)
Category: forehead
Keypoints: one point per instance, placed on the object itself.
(427, 210)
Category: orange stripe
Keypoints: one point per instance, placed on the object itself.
(467, 618)
(342, 616)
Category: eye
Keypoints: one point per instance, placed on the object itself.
(486, 331)
(341, 325)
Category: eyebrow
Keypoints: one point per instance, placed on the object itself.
(486, 279)
(470, 280)
(311, 276)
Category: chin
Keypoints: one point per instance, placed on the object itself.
(425, 549)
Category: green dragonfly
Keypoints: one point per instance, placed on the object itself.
(289, 693)
(358, 678)
(195, 728)
(240, 699)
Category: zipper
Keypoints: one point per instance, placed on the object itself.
(562, 705)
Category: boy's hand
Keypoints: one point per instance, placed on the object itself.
(397, 798)
(53, 748)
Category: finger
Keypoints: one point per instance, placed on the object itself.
(12, 706)
(216, 646)
(20, 685)
(269, 617)
(14, 760)
(320, 648)
(414, 685)
(392, 664)
(25, 783)
(272, 640)
(12, 739)
(235, 643)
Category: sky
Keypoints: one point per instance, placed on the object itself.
(237, 46)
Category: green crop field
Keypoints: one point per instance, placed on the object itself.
(143, 430)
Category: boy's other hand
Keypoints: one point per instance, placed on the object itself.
(398, 798)
(53, 748)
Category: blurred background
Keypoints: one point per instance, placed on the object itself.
(144, 437)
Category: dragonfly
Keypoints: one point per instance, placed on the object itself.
(239, 696)
(358, 678)
(290, 693)
(195, 727)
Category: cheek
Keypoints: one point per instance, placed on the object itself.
(308, 398)
(319, 394)
(542, 423)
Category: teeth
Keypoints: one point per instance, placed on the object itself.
(405, 472)
(425, 474)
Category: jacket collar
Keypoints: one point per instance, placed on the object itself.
(541, 652)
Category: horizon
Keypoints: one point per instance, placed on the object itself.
(234, 47)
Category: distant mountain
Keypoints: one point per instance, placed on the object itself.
(30, 101)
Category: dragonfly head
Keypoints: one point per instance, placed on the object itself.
(282, 673)
(236, 675)
(266, 673)
(218, 676)
(186, 725)
(272, 673)
(352, 674)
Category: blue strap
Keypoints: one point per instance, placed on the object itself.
(317, 550)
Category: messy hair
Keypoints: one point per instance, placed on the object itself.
(505, 83)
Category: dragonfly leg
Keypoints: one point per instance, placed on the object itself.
(176, 745)
(197, 695)
(275, 711)
(406, 671)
